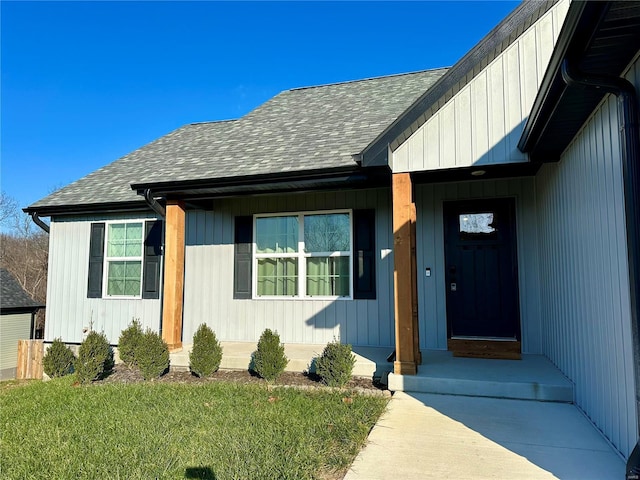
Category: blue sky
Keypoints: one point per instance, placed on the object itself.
(84, 83)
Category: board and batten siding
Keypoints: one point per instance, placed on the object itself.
(430, 254)
(13, 327)
(586, 307)
(209, 255)
(69, 312)
(483, 122)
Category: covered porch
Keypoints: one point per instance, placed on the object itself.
(532, 378)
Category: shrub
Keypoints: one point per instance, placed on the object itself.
(95, 358)
(269, 360)
(152, 355)
(58, 360)
(206, 354)
(128, 343)
(335, 365)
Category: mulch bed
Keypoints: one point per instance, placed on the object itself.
(122, 374)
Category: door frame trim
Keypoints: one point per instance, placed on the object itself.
(479, 204)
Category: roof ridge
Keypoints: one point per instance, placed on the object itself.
(368, 79)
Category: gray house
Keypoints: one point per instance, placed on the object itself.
(17, 321)
(489, 209)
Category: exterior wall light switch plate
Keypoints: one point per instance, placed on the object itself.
(384, 253)
(427, 272)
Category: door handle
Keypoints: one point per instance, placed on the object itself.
(454, 287)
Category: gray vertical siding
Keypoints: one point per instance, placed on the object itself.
(69, 311)
(209, 278)
(13, 327)
(482, 123)
(430, 254)
(585, 293)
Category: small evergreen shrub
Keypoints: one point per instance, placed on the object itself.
(269, 360)
(59, 359)
(95, 358)
(206, 355)
(128, 343)
(152, 355)
(335, 365)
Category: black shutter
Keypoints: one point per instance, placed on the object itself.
(152, 256)
(364, 254)
(96, 261)
(243, 240)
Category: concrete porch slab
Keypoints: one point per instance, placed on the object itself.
(532, 378)
(370, 361)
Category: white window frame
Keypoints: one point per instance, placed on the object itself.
(107, 259)
(301, 257)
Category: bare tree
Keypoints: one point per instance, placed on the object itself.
(8, 210)
(24, 251)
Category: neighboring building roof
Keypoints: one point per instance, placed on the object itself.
(312, 128)
(599, 38)
(12, 295)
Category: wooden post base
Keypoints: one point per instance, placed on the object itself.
(405, 368)
(175, 347)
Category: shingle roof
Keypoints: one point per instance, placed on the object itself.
(297, 130)
(12, 295)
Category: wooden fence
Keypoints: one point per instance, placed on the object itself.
(30, 353)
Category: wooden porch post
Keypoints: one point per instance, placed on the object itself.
(173, 275)
(407, 352)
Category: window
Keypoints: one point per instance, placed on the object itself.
(123, 259)
(476, 223)
(303, 255)
(335, 257)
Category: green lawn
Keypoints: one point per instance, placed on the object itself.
(214, 430)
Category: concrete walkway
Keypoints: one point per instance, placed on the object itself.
(430, 436)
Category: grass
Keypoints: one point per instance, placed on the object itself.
(216, 430)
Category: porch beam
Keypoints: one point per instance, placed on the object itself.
(173, 289)
(407, 351)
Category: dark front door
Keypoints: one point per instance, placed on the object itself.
(481, 269)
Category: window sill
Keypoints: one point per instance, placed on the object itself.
(121, 297)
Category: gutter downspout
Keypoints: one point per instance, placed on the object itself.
(160, 210)
(38, 221)
(153, 203)
(628, 112)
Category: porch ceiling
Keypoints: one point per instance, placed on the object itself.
(602, 38)
(491, 172)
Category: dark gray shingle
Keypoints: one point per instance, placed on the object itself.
(297, 130)
(12, 295)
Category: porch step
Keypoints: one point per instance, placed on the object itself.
(532, 378)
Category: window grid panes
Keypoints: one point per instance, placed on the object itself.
(123, 278)
(328, 276)
(124, 259)
(124, 240)
(303, 255)
(277, 276)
